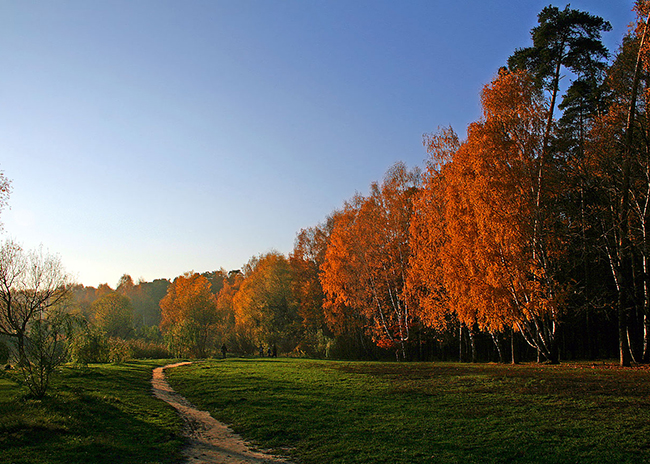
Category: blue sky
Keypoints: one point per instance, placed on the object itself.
(158, 137)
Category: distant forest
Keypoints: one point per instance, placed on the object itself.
(528, 239)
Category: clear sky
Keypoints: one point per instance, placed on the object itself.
(158, 137)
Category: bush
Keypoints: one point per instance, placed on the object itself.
(150, 334)
(118, 350)
(143, 349)
(4, 352)
(89, 345)
(315, 345)
(44, 351)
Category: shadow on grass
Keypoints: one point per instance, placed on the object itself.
(354, 412)
(100, 415)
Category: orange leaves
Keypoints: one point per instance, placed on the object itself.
(471, 236)
(367, 258)
(188, 299)
(512, 105)
(189, 316)
(265, 310)
(305, 261)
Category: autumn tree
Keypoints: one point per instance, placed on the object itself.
(217, 279)
(306, 259)
(265, 311)
(475, 237)
(518, 140)
(82, 298)
(103, 289)
(367, 259)
(125, 285)
(226, 311)
(347, 323)
(189, 315)
(426, 279)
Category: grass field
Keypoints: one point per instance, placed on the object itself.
(339, 412)
(353, 412)
(98, 414)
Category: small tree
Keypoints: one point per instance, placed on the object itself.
(45, 350)
(89, 345)
(30, 284)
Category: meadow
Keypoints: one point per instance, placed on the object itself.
(102, 413)
(355, 412)
(339, 412)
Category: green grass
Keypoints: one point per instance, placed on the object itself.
(353, 412)
(339, 412)
(98, 414)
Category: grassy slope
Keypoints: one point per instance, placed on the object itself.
(99, 414)
(404, 413)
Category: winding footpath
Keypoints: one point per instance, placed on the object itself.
(209, 441)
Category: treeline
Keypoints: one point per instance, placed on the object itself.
(527, 239)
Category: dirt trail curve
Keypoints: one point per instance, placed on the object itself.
(209, 441)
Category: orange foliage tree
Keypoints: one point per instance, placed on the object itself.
(265, 311)
(475, 250)
(189, 316)
(367, 259)
(425, 285)
(341, 317)
(307, 257)
(226, 311)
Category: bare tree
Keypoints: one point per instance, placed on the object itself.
(30, 284)
(5, 191)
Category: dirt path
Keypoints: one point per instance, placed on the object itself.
(209, 441)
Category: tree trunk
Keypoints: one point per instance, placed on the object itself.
(554, 353)
(552, 343)
(460, 343)
(497, 342)
(646, 338)
(624, 252)
(20, 348)
(472, 343)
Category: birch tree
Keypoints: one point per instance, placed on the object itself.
(367, 259)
